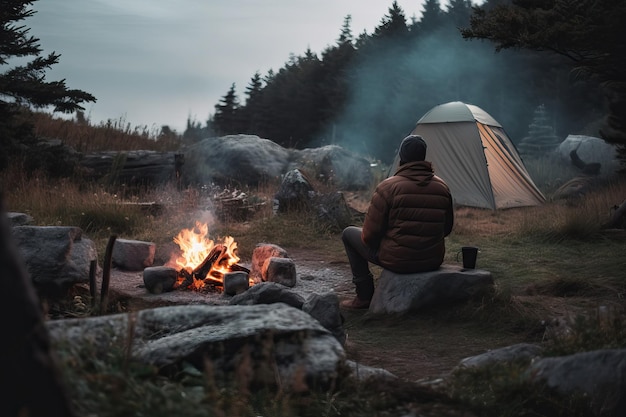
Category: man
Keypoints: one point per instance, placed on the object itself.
(406, 222)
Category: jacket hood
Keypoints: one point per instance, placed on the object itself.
(419, 171)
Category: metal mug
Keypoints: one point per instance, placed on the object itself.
(470, 253)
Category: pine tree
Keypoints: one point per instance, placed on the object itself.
(346, 36)
(393, 25)
(459, 12)
(541, 138)
(253, 113)
(226, 118)
(24, 87)
(25, 84)
(334, 78)
(433, 17)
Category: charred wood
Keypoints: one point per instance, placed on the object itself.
(217, 256)
(239, 268)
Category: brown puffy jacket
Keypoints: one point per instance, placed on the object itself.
(408, 217)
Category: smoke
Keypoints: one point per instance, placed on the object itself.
(394, 88)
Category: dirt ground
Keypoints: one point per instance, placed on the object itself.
(416, 347)
(419, 346)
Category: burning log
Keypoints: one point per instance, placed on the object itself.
(217, 257)
(201, 272)
(210, 270)
(187, 278)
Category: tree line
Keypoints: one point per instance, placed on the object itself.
(367, 91)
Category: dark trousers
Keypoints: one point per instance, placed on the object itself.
(359, 256)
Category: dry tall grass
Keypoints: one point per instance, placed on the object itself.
(554, 221)
(112, 135)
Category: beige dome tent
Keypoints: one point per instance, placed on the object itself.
(470, 150)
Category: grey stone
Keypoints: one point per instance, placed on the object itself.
(367, 373)
(19, 219)
(591, 150)
(295, 192)
(519, 352)
(133, 255)
(56, 257)
(402, 293)
(246, 159)
(325, 309)
(236, 282)
(268, 293)
(335, 165)
(600, 375)
(251, 160)
(159, 279)
(303, 353)
(280, 270)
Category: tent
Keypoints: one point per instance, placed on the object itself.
(470, 150)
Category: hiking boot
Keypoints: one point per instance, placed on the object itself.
(355, 304)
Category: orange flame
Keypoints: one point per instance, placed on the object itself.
(195, 246)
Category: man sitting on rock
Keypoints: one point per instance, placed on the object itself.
(409, 215)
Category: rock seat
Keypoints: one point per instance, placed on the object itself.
(402, 293)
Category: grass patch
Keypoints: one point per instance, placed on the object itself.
(93, 378)
(603, 327)
(504, 391)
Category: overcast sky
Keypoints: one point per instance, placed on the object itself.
(159, 62)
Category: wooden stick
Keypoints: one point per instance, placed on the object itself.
(106, 275)
(92, 281)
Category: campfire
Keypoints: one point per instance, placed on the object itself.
(203, 263)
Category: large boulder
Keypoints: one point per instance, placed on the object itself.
(598, 377)
(272, 342)
(335, 165)
(251, 160)
(245, 159)
(590, 150)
